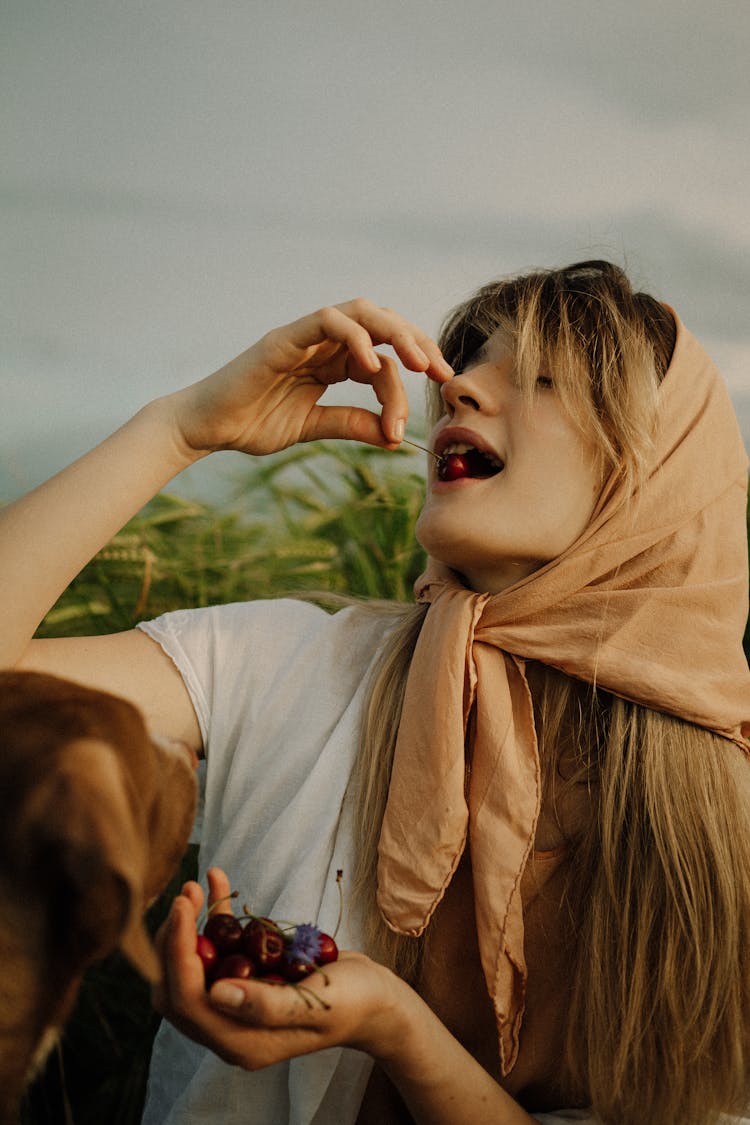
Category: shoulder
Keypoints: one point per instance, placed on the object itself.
(262, 638)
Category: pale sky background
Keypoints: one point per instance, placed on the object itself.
(176, 177)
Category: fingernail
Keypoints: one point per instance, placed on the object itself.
(375, 360)
(227, 995)
(399, 428)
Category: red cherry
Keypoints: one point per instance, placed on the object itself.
(225, 931)
(294, 970)
(206, 950)
(236, 965)
(262, 942)
(453, 467)
(329, 951)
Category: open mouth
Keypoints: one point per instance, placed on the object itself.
(459, 460)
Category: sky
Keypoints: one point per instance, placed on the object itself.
(177, 177)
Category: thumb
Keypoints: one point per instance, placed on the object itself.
(354, 423)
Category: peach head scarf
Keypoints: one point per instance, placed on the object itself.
(649, 603)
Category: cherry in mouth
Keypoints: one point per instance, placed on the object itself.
(473, 463)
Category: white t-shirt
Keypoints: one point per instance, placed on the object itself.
(278, 688)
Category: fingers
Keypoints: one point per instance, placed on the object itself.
(273, 1005)
(193, 892)
(180, 944)
(359, 326)
(219, 891)
(359, 424)
(416, 350)
(391, 394)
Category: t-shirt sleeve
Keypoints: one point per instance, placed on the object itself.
(232, 652)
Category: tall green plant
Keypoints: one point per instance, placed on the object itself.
(320, 517)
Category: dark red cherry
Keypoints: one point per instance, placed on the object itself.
(453, 467)
(329, 951)
(225, 931)
(206, 950)
(294, 970)
(262, 942)
(236, 965)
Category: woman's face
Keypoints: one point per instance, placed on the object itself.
(496, 529)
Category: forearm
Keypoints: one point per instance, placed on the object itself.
(47, 536)
(440, 1082)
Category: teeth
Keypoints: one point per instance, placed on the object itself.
(464, 447)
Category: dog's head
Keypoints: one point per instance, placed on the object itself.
(94, 817)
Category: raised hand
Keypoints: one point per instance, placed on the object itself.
(268, 398)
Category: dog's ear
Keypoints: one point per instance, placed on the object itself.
(95, 841)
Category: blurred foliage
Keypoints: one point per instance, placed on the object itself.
(321, 517)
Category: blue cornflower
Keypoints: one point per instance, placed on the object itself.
(305, 945)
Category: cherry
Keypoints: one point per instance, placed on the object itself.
(293, 970)
(262, 942)
(329, 951)
(260, 947)
(453, 467)
(225, 932)
(206, 950)
(236, 965)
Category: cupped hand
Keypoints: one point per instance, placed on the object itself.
(268, 398)
(251, 1023)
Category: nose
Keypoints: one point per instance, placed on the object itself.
(476, 389)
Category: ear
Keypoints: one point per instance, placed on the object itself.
(99, 909)
(96, 842)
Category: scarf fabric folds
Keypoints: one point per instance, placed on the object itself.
(649, 603)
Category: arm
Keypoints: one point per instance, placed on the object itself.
(264, 400)
(252, 1024)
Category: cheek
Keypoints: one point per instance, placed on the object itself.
(573, 498)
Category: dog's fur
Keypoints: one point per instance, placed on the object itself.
(95, 818)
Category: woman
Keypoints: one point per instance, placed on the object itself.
(547, 809)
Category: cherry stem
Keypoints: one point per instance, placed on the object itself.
(281, 928)
(205, 915)
(307, 992)
(424, 449)
(339, 877)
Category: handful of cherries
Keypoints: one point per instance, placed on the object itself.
(255, 947)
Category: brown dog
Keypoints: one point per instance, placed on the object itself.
(95, 818)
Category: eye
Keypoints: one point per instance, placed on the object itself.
(545, 383)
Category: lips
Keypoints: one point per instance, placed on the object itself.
(465, 454)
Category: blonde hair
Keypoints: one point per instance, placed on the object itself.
(658, 891)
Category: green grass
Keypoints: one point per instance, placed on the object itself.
(322, 517)
(332, 518)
